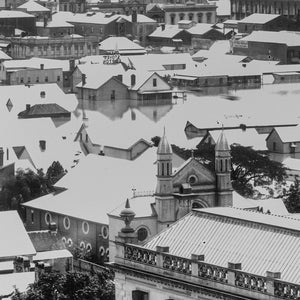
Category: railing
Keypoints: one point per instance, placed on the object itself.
(191, 267)
(286, 290)
(143, 194)
(177, 264)
(140, 255)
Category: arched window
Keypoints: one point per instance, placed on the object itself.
(88, 247)
(221, 165)
(101, 251)
(172, 16)
(70, 242)
(208, 17)
(82, 245)
(163, 169)
(85, 227)
(142, 234)
(48, 218)
(191, 16)
(181, 16)
(67, 223)
(104, 231)
(200, 17)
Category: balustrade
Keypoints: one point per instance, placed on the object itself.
(178, 264)
(252, 282)
(287, 291)
(140, 255)
(212, 272)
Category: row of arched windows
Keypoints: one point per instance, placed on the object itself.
(224, 165)
(165, 169)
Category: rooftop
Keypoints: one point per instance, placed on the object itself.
(120, 44)
(32, 6)
(43, 110)
(6, 14)
(259, 18)
(17, 241)
(260, 242)
(288, 134)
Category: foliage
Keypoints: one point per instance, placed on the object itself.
(292, 198)
(155, 140)
(27, 185)
(71, 286)
(249, 167)
(55, 172)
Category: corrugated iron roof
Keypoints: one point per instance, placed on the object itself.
(260, 242)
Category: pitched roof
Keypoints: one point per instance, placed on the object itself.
(32, 6)
(6, 14)
(260, 242)
(120, 44)
(169, 31)
(44, 110)
(288, 134)
(259, 18)
(140, 19)
(291, 39)
(15, 241)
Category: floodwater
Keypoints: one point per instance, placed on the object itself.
(270, 104)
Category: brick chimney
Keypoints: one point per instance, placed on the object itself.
(28, 106)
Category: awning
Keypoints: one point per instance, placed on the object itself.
(55, 254)
(182, 77)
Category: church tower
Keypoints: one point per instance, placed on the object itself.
(223, 171)
(165, 202)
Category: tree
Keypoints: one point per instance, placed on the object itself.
(249, 167)
(71, 286)
(292, 198)
(55, 172)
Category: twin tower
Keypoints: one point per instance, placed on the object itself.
(166, 204)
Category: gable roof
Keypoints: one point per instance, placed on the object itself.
(287, 134)
(169, 31)
(6, 14)
(260, 242)
(122, 44)
(44, 110)
(15, 241)
(32, 6)
(259, 18)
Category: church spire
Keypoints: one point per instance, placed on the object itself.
(223, 171)
(164, 166)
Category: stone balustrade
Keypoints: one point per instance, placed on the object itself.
(196, 267)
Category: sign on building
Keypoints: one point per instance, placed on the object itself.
(240, 44)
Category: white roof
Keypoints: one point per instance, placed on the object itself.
(15, 241)
(169, 32)
(259, 18)
(200, 28)
(140, 18)
(20, 281)
(4, 56)
(107, 182)
(95, 18)
(5, 14)
(247, 138)
(292, 163)
(291, 39)
(35, 63)
(32, 6)
(53, 254)
(119, 43)
(289, 134)
(260, 242)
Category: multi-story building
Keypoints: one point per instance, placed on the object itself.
(75, 6)
(243, 8)
(73, 46)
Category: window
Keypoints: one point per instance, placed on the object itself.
(140, 295)
(191, 17)
(274, 146)
(200, 18)
(181, 17)
(172, 19)
(58, 78)
(142, 234)
(107, 254)
(82, 245)
(70, 242)
(22, 80)
(192, 179)
(67, 223)
(88, 247)
(85, 227)
(46, 79)
(32, 216)
(104, 232)
(101, 250)
(37, 79)
(28, 79)
(48, 218)
(154, 82)
(86, 138)
(64, 240)
(113, 95)
(208, 18)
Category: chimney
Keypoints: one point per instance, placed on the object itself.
(43, 94)
(45, 22)
(163, 27)
(72, 65)
(83, 79)
(42, 66)
(120, 77)
(28, 107)
(134, 16)
(43, 145)
(1, 157)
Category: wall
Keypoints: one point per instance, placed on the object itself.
(36, 76)
(274, 138)
(138, 149)
(148, 85)
(54, 31)
(8, 26)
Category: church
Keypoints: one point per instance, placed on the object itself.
(178, 191)
(200, 246)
